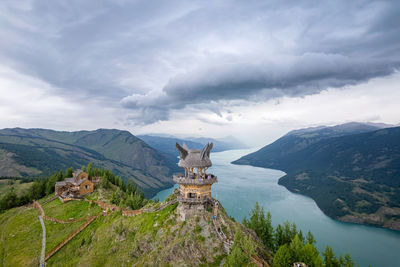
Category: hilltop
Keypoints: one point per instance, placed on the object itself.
(116, 226)
(41, 152)
(351, 171)
(155, 238)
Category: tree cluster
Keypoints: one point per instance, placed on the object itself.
(289, 244)
(40, 188)
(241, 251)
(127, 195)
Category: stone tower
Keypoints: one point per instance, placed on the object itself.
(195, 184)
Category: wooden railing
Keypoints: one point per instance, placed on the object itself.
(200, 181)
(193, 200)
(69, 238)
(90, 219)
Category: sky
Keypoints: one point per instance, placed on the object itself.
(250, 69)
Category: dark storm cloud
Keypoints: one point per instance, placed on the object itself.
(155, 56)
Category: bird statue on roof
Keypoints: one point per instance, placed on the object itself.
(194, 158)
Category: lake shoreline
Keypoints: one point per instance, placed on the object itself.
(239, 187)
(377, 219)
(352, 219)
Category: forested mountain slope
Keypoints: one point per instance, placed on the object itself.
(353, 177)
(38, 152)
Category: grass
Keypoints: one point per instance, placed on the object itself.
(100, 245)
(114, 240)
(44, 199)
(21, 237)
(71, 209)
(58, 232)
(102, 194)
(147, 239)
(7, 184)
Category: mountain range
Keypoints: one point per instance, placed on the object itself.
(166, 144)
(351, 170)
(41, 152)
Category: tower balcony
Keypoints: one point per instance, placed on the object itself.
(207, 179)
(193, 200)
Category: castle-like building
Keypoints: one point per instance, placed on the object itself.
(195, 184)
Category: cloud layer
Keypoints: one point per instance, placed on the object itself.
(154, 57)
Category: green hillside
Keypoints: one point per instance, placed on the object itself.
(353, 177)
(154, 238)
(40, 152)
(275, 155)
(95, 231)
(148, 239)
(18, 185)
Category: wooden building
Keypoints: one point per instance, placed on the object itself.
(75, 187)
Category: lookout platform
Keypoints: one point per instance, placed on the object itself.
(208, 179)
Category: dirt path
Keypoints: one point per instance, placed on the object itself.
(218, 229)
(42, 254)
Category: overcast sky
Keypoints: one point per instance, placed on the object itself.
(251, 69)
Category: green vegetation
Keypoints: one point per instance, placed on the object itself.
(289, 244)
(352, 176)
(20, 234)
(38, 189)
(148, 239)
(70, 210)
(126, 195)
(20, 186)
(40, 152)
(58, 232)
(242, 250)
(154, 239)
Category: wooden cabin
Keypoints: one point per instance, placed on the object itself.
(75, 187)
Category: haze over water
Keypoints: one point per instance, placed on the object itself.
(239, 187)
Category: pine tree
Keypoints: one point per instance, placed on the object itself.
(69, 172)
(241, 251)
(311, 257)
(296, 249)
(330, 259)
(90, 169)
(116, 197)
(310, 238)
(283, 257)
(261, 223)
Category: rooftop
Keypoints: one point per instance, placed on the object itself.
(194, 158)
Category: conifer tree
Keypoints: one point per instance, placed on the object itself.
(241, 252)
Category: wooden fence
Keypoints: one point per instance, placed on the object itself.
(69, 238)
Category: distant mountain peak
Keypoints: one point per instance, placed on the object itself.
(348, 127)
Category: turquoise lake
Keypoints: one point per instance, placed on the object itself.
(239, 187)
